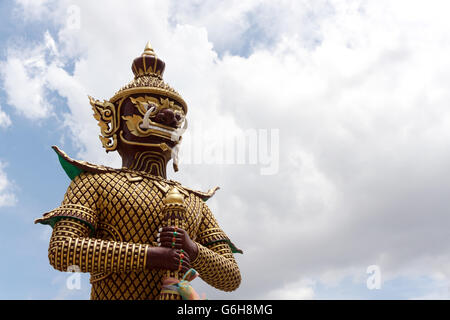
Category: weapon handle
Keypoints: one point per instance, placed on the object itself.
(174, 215)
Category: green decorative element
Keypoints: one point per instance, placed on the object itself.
(71, 170)
(53, 220)
(205, 197)
(233, 248)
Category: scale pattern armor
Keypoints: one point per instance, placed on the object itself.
(107, 222)
(109, 219)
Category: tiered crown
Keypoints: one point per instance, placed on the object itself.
(148, 72)
(148, 64)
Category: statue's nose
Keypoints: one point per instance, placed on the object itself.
(165, 116)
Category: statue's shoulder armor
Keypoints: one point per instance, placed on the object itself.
(74, 168)
(202, 195)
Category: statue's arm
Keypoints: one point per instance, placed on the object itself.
(71, 245)
(217, 267)
(73, 241)
(215, 262)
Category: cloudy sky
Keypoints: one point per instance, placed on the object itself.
(348, 101)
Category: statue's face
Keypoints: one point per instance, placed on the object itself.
(145, 114)
(150, 119)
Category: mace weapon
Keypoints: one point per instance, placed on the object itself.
(174, 211)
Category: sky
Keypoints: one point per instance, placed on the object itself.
(325, 123)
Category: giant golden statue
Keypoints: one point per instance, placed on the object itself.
(132, 228)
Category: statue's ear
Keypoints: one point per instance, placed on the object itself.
(108, 121)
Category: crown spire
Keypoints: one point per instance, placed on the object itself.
(148, 50)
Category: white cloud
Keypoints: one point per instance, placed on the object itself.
(299, 290)
(5, 121)
(34, 9)
(243, 26)
(23, 75)
(361, 102)
(7, 197)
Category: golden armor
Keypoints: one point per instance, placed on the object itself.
(109, 218)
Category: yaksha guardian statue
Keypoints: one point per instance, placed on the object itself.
(139, 235)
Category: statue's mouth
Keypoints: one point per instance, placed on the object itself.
(164, 121)
(154, 127)
(156, 117)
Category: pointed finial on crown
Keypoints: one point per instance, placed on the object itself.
(148, 64)
(148, 50)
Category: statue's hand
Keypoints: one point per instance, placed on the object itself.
(167, 258)
(166, 238)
